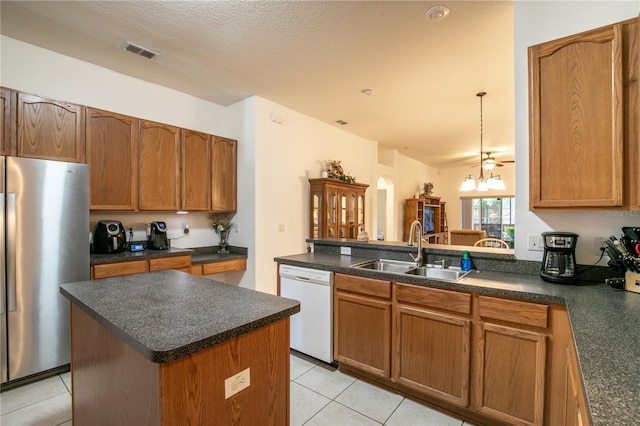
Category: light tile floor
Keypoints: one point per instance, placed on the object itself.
(320, 395)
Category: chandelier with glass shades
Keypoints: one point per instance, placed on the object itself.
(486, 163)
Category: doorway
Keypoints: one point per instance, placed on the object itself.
(385, 215)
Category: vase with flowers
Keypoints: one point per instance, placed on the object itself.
(222, 226)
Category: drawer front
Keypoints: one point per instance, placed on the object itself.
(224, 266)
(362, 285)
(118, 269)
(175, 262)
(434, 298)
(517, 311)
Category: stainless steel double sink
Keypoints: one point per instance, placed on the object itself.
(410, 268)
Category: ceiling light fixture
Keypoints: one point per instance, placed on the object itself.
(437, 13)
(483, 184)
(367, 92)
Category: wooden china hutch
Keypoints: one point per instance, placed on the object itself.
(336, 208)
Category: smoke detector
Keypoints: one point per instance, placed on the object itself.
(139, 50)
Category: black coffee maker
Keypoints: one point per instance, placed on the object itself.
(559, 259)
(108, 237)
(157, 236)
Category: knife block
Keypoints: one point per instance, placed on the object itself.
(632, 281)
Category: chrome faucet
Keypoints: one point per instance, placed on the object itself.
(418, 259)
(442, 263)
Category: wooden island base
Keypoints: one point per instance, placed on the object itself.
(115, 384)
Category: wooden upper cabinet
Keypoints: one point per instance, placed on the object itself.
(49, 129)
(196, 171)
(583, 106)
(112, 154)
(224, 170)
(7, 116)
(159, 167)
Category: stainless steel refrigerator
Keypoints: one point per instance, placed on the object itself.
(44, 238)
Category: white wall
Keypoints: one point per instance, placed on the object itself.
(287, 155)
(537, 22)
(275, 160)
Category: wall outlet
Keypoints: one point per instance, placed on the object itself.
(236, 383)
(185, 227)
(345, 250)
(281, 227)
(535, 243)
(599, 244)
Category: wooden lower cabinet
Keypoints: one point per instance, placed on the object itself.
(511, 374)
(489, 360)
(362, 311)
(432, 349)
(432, 354)
(117, 269)
(219, 267)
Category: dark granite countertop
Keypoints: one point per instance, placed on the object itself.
(198, 255)
(167, 315)
(604, 323)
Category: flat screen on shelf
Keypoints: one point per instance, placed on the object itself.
(428, 217)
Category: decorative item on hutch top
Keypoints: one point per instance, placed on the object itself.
(222, 226)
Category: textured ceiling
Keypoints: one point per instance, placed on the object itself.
(311, 56)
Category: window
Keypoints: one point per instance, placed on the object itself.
(495, 216)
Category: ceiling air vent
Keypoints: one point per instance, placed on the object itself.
(149, 54)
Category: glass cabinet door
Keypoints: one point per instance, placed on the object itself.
(360, 210)
(343, 216)
(352, 216)
(332, 211)
(316, 211)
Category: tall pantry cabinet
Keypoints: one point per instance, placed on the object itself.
(584, 125)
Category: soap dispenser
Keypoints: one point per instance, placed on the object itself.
(465, 262)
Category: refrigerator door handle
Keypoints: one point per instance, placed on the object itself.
(11, 252)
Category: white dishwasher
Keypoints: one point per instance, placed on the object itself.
(311, 328)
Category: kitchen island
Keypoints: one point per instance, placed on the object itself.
(167, 347)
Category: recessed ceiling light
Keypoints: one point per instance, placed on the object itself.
(437, 13)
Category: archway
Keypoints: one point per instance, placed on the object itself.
(385, 213)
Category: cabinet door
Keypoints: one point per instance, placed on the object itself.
(362, 335)
(332, 213)
(49, 129)
(159, 170)
(576, 94)
(432, 353)
(224, 192)
(6, 121)
(511, 374)
(196, 171)
(112, 154)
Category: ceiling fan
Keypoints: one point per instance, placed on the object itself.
(489, 162)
